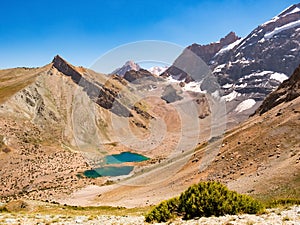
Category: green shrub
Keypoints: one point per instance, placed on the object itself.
(204, 199)
(164, 211)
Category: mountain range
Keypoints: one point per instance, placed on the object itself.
(60, 120)
(249, 68)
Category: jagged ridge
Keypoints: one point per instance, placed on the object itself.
(103, 96)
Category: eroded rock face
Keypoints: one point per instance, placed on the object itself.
(205, 52)
(272, 46)
(250, 67)
(135, 76)
(100, 94)
(287, 91)
(170, 94)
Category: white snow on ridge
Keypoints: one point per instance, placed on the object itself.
(263, 73)
(242, 60)
(227, 85)
(244, 105)
(219, 68)
(296, 9)
(293, 11)
(230, 96)
(192, 86)
(282, 28)
(271, 21)
(157, 70)
(229, 47)
(273, 75)
(279, 77)
(172, 79)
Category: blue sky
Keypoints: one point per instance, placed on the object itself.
(32, 32)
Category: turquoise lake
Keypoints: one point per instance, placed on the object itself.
(124, 157)
(111, 171)
(114, 171)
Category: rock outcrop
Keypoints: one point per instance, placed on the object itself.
(287, 91)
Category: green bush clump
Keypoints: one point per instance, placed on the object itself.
(204, 199)
(164, 211)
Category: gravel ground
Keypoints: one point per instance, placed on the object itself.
(290, 216)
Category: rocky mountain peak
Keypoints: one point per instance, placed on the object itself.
(229, 38)
(133, 65)
(66, 68)
(58, 61)
(138, 75)
(129, 65)
(206, 52)
(287, 91)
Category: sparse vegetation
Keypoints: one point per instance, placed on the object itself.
(16, 206)
(283, 202)
(204, 199)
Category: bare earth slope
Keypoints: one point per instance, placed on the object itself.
(41, 111)
(260, 157)
(59, 120)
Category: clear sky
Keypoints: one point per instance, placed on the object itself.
(32, 32)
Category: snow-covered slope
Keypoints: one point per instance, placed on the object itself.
(253, 66)
(157, 70)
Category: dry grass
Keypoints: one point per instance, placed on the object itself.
(70, 211)
(14, 80)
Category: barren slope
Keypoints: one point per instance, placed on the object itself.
(260, 157)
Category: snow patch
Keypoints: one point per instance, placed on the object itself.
(274, 19)
(227, 85)
(171, 79)
(244, 105)
(157, 70)
(279, 77)
(294, 11)
(242, 61)
(237, 54)
(192, 86)
(282, 28)
(241, 85)
(230, 96)
(229, 47)
(219, 68)
(263, 73)
(262, 40)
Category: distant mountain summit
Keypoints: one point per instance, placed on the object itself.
(129, 65)
(205, 52)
